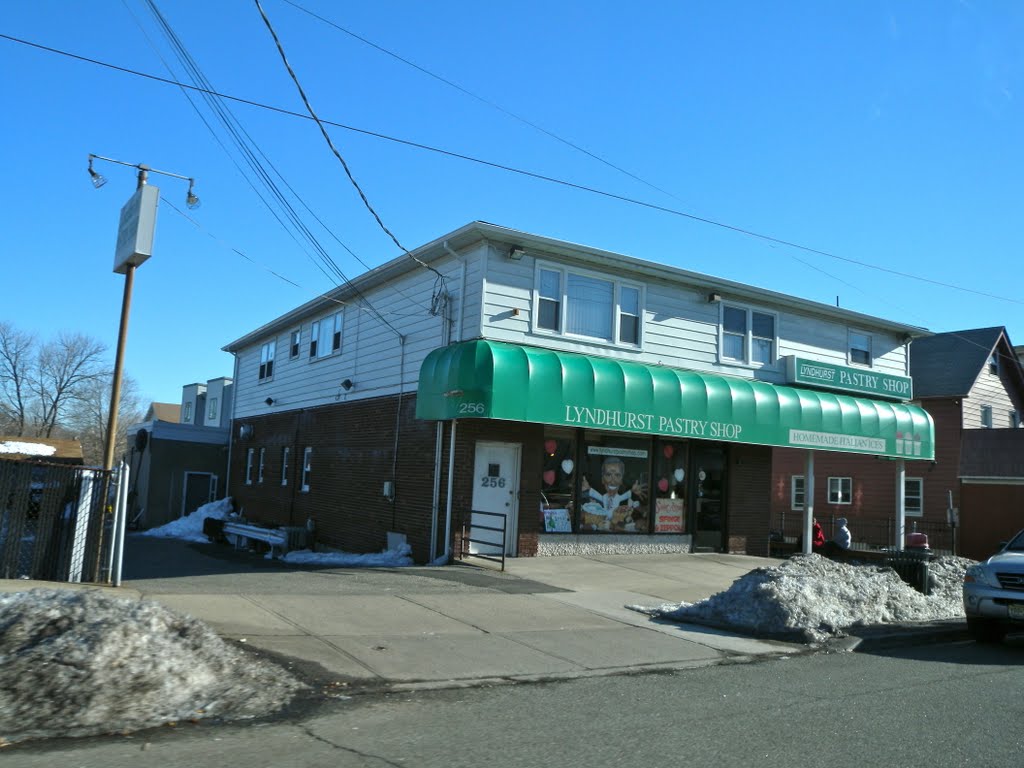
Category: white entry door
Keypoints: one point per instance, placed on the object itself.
(496, 491)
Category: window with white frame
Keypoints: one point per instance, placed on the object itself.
(840, 490)
(860, 348)
(588, 306)
(986, 416)
(263, 461)
(267, 360)
(796, 492)
(186, 417)
(293, 345)
(325, 336)
(285, 456)
(913, 496)
(211, 413)
(249, 456)
(1014, 419)
(748, 335)
(307, 468)
(993, 363)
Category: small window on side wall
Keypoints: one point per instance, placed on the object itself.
(913, 496)
(796, 491)
(267, 360)
(285, 456)
(307, 469)
(860, 348)
(986, 416)
(249, 456)
(993, 363)
(293, 347)
(840, 490)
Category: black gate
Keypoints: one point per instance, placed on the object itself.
(54, 522)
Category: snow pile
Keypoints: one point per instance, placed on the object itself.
(388, 558)
(76, 663)
(817, 598)
(28, 449)
(190, 527)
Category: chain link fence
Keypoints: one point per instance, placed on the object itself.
(56, 522)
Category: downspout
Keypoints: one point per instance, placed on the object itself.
(398, 427)
(231, 423)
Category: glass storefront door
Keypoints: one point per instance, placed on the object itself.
(708, 483)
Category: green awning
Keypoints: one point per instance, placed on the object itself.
(495, 380)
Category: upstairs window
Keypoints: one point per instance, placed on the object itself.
(860, 348)
(267, 360)
(993, 363)
(186, 417)
(293, 346)
(325, 336)
(211, 414)
(1014, 419)
(748, 336)
(588, 306)
(986, 416)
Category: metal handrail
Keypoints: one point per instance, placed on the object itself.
(466, 539)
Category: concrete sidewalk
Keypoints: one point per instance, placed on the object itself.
(544, 618)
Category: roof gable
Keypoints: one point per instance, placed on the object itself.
(948, 364)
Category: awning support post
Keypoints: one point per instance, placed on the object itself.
(808, 501)
(901, 504)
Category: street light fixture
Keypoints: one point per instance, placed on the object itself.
(134, 246)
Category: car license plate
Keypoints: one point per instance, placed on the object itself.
(1016, 611)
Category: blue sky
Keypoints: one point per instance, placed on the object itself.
(887, 133)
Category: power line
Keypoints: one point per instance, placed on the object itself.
(529, 174)
(482, 99)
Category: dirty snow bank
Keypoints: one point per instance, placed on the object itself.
(76, 663)
(817, 598)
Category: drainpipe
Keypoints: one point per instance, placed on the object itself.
(448, 510)
(231, 425)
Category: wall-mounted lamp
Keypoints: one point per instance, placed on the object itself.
(714, 297)
(516, 254)
(269, 401)
(245, 431)
(347, 384)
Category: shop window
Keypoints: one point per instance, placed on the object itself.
(796, 492)
(669, 490)
(250, 455)
(748, 336)
(558, 480)
(267, 360)
(614, 485)
(840, 490)
(587, 306)
(913, 496)
(860, 348)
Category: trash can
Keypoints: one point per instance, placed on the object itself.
(913, 566)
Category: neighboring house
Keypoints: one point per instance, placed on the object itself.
(506, 373)
(41, 449)
(972, 385)
(178, 455)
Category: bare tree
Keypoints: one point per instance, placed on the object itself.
(17, 360)
(64, 367)
(87, 416)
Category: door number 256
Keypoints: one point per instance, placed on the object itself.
(492, 482)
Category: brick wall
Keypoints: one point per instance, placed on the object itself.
(748, 504)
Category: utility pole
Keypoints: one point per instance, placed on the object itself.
(134, 246)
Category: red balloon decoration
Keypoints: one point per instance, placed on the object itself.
(668, 450)
(550, 446)
(549, 477)
(663, 485)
